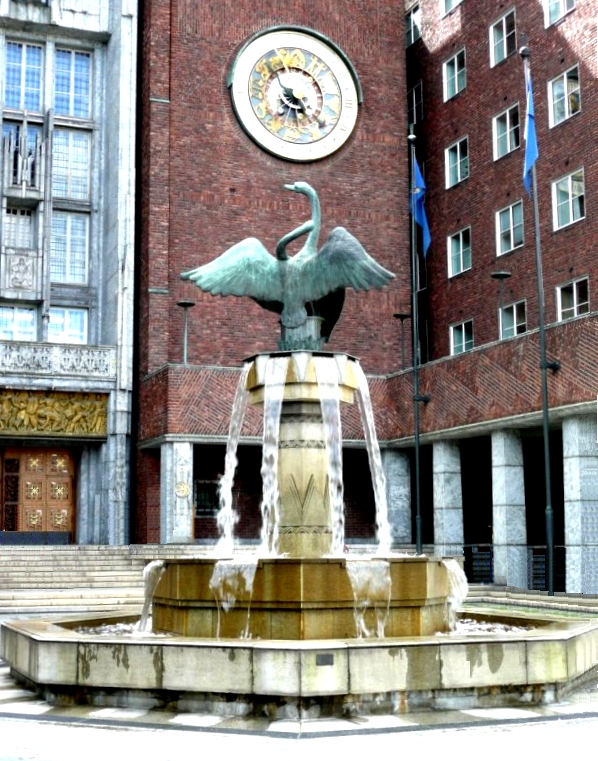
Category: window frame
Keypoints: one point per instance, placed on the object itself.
(415, 103)
(452, 3)
(513, 225)
(461, 161)
(578, 307)
(512, 131)
(463, 253)
(519, 325)
(556, 206)
(23, 76)
(564, 7)
(73, 260)
(456, 77)
(562, 78)
(71, 93)
(467, 342)
(25, 336)
(413, 20)
(505, 38)
(66, 336)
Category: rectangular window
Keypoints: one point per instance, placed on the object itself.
(67, 326)
(23, 144)
(573, 299)
(509, 228)
(454, 75)
(513, 320)
(505, 130)
(461, 337)
(69, 248)
(556, 9)
(413, 26)
(72, 83)
(564, 96)
(456, 159)
(415, 104)
(448, 5)
(18, 227)
(459, 252)
(23, 76)
(70, 164)
(568, 200)
(18, 324)
(503, 38)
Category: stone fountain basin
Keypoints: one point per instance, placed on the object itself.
(306, 678)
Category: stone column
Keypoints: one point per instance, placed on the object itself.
(580, 464)
(396, 466)
(509, 535)
(448, 498)
(176, 492)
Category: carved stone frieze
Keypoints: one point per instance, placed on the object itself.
(54, 413)
(55, 359)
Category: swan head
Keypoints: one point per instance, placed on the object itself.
(301, 187)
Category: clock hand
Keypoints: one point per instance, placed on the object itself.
(306, 108)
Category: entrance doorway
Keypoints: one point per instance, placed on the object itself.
(37, 490)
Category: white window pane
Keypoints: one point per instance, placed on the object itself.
(72, 83)
(69, 248)
(67, 325)
(70, 165)
(18, 324)
(23, 75)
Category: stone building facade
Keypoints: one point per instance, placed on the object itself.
(68, 82)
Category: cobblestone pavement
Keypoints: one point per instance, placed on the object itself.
(19, 703)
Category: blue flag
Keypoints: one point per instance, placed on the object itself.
(417, 205)
(531, 143)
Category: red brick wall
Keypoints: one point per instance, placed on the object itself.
(493, 185)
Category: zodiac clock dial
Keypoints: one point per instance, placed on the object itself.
(294, 95)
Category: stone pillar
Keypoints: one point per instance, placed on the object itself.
(176, 492)
(448, 499)
(509, 535)
(396, 466)
(580, 464)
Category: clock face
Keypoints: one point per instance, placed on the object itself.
(294, 95)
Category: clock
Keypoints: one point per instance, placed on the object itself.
(295, 94)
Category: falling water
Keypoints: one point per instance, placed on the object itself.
(371, 585)
(327, 377)
(227, 517)
(457, 590)
(275, 376)
(152, 573)
(378, 479)
(230, 581)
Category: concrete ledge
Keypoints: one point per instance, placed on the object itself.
(340, 676)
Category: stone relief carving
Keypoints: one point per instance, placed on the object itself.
(54, 413)
(58, 360)
(20, 272)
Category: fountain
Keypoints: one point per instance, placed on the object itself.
(299, 629)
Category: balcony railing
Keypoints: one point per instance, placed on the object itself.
(58, 360)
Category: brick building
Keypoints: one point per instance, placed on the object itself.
(207, 181)
(68, 79)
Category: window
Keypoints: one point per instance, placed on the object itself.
(503, 38)
(23, 76)
(415, 104)
(448, 5)
(67, 326)
(70, 165)
(413, 26)
(68, 254)
(459, 252)
(23, 145)
(573, 299)
(456, 163)
(72, 83)
(454, 75)
(18, 227)
(462, 337)
(206, 498)
(568, 204)
(509, 228)
(556, 9)
(513, 320)
(18, 324)
(564, 96)
(505, 129)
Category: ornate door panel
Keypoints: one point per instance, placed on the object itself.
(45, 490)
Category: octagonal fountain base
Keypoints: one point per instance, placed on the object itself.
(305, 679)
(303, 599)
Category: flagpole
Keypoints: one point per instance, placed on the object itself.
(544, 365)
(415, 341)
